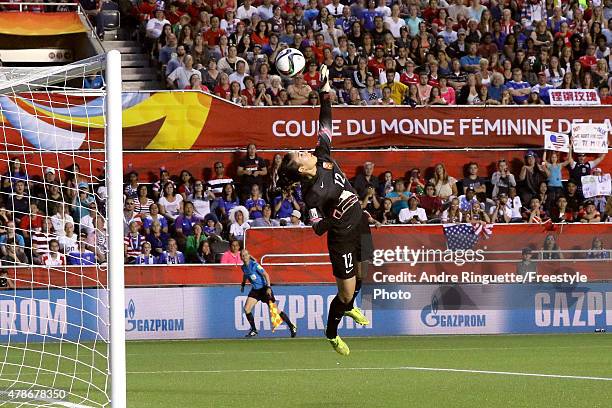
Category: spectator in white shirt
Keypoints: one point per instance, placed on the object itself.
(295, 219)
(156, 25)
(335, 8)
(240, 74)
(60, 219)
(245, 11)
(179, 78)
(382, 9)
(266, 10)
(413, 214)
(69, 241)
(514, 204)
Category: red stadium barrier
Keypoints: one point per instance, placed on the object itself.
(297, 255)
(283, 248)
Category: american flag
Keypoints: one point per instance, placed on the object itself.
(460, 236)
(556, 141)
(486, 230)
(465, 236)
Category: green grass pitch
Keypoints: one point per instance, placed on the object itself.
(380, 372)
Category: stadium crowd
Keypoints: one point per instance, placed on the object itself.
(179, 218)
(406, 52)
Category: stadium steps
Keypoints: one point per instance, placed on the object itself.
(135, 66)
(140, 86)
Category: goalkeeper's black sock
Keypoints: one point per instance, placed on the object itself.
(336, 311)
(286, 319)
(357, 289)
(251, 320)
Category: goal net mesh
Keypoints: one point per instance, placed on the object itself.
(54, 308)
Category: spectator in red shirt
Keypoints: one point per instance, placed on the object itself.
(431, 11)
(604, 94)
(145, 9)
(249, 91)
(431, 203)
(409, 77)
(318, 47)
(589, 60)
(434, 76)
(196, 7)
(222, 90)
(487, 47)
(211, 37)
(173, 15)
(195, 83)
(312, 76)
(260, 34)
(377, 64)
(31, 222)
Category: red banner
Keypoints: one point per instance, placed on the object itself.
(194, 120)
(357, 127)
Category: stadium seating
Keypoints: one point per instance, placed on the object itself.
(434, 54)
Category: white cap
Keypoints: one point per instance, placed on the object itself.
(49, 170)
(296, 213)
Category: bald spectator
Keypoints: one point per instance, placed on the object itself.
(299, 90)
(179, 78)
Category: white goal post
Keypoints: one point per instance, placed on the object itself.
(114, 156)
(62, 296)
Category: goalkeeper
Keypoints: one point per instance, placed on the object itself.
(260, 290)
(334, 209)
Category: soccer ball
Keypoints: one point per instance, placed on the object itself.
(290, 62)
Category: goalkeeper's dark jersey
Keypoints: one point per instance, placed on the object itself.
(331, 193)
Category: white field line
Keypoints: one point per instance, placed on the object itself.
(415, 350)
(407, 368)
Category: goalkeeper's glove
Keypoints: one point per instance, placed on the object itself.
(242, 288)
(314, 216)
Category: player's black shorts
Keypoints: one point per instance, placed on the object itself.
(261, 295)
(346, 251)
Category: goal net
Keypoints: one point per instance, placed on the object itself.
(57, 186)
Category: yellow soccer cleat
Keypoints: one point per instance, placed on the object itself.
(340, 346)
(357, 315)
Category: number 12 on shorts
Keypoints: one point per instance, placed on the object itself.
(348, 262)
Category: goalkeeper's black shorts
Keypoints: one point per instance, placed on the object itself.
(261, 295)
(347, 251)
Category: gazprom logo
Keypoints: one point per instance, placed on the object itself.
(131, 309)
(429, 314)
(150, 325)
(450, 318)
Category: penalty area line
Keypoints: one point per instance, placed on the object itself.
(406, 368)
